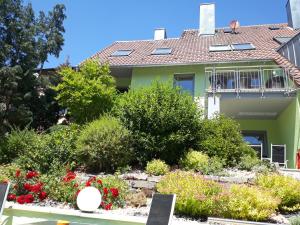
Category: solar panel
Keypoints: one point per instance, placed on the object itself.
(242, 46)
(162, 51)
(219, 48)
(3, 195)
(121, 53)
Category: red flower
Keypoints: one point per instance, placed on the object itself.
(88, 183)
(11, 197)
(29, 198)
(42, 195)
(99, 181)
(92, 179)
(27, 187)
(21, 199)
(36, 188)
(76, 185)
(108, 206)
(114, 192)
(4, 182)
(18, 173)
(69, 176)
(31, 174)
(105, 191)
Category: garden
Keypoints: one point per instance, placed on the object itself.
(157, 130)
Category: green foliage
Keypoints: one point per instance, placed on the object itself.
(87, 93)
(248, 162)
(26, 41)
(195, 196)
(221, 137)
(157, 167)
(283, 187)
(163, 120)
(250, 203)
(295, 220)
(104, 145)
(200, 162)
(116, 182)
(7, 171)
(41, 152)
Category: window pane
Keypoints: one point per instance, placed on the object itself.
(162, 51)
(244, 46)
(282, 40)
(121, 53)
(185, 82)
(217, 48)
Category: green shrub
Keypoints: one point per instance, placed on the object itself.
(250, 203)
(295, 220)
(163, 120)
(157, 167)
(104, 145)
(43, 151)
(195, 196)
(221, 137)
(248, 162)
(283, 187)
(200, 162)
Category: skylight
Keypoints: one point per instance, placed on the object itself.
(162, 51)
(219, 48)
(274, 28)
(227, 30)
(242, 46)
(282, 40)
(121, 53)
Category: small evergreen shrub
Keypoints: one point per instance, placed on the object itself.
(248, 162)
(104, 145)
(200, 162)
(195, 196)
(221, 137)
(250, 203)
(283, 187)
(157, 167)
(295, 220)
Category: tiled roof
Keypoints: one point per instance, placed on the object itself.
(191, 48)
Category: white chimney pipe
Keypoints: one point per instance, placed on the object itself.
(160, 34)
(207, 19)
(293, 13)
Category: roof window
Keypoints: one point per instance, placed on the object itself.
(242, 46)
(274, 28)
(121, 53)
(282, 40)
(219, 48)
(162, 51)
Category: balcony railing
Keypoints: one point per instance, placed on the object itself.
(248, 79)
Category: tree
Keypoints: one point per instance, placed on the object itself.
(88, 92)
(164, 121)
(26, 41)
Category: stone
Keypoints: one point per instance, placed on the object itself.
(155, 179)
(279, 219)
(135, 176)
(142, 184)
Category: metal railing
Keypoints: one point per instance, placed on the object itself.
(249, 79)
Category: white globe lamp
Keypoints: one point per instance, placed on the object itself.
(88, 199)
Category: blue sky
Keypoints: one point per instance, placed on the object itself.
(91, 25)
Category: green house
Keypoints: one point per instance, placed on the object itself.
(250, 73)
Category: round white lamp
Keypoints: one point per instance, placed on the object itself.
(88, 199)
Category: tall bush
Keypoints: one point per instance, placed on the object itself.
(221, 137)
(163, 120)
(104, 145)
(87, 93)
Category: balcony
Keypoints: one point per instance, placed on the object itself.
(250, 79)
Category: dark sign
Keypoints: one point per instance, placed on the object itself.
(161, 210)
(3, 195)
(278, 153)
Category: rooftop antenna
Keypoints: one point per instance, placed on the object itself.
(234, 24)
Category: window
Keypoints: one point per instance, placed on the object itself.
(121, 53)
(256, 139)
(185, 82)
(250, 79)
(162, 51)
(227, 30)
(274, 28)
(242, 46)
(219, 48)
(282, 40)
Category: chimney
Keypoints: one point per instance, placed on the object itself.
(160, 34)
(207, 19)
(293, 13)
